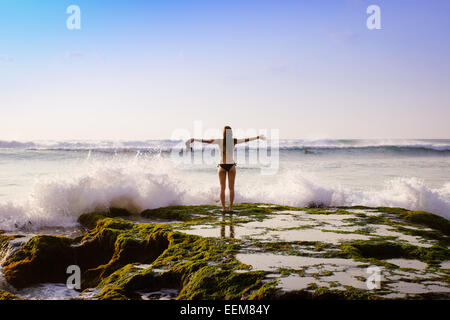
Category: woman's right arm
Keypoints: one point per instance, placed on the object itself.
(202, 140)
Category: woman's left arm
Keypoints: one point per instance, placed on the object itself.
(262, 137)
(202, 140)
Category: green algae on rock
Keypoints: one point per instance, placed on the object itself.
(42, 259)
(4, 295)
(321, 253)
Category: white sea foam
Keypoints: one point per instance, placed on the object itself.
(408, 193)
(48, 291)
(136, 185)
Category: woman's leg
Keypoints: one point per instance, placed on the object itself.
(231, 178)
(222, 179)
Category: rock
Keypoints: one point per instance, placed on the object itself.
(4, 295)
(118, 212)
(180, 213)
(108, 246)
(272, 252)
(89, 220)
(41, 259)
(5, 245)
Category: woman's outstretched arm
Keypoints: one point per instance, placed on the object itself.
(250, 139)
(202, 140)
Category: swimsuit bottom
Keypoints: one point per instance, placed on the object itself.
(227, 166)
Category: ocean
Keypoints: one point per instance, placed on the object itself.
(48, 184)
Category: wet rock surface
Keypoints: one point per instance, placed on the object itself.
(260, 251)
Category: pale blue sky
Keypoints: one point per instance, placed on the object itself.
(140, 70)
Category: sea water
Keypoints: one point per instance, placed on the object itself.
(48, 184)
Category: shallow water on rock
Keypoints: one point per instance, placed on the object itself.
(302, 226)
(338, 273)
(162, 294)
(296, 267)
(296, 282)
(368, 212)
(142, 220)
(87, 294)
(404, 287)
(286, 227)
(334, 273)
(4, 285)
(407, 263)
(343, 272)
(270, 261)
(48, 291)
(71, 232)
(414, 240)
(12, 246)
(348, 277)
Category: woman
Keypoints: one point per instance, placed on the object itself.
(227, 164)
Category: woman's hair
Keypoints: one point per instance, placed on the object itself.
(227, 134)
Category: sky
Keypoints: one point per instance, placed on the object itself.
(144, 69)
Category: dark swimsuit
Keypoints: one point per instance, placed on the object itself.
(227, 166)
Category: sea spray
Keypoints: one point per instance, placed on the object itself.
(146, 184)
(47, 188)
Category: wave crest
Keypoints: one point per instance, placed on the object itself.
(434, 145)
(58, 202)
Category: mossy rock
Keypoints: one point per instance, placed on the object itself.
(42, 259)
(180, 213)
(112, 251)
(4, 241)
(384, 249)
(379, 249)
(128, 249)
(187, 213)
(350, 293)
(89, 220)
(114, 243)
(423, 218)
(269, 291)
(124, 283)
(4, 295)
(429, 220)
(215, 282)
(183, 256)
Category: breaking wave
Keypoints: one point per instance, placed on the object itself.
(58, 201)
(392, 145)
